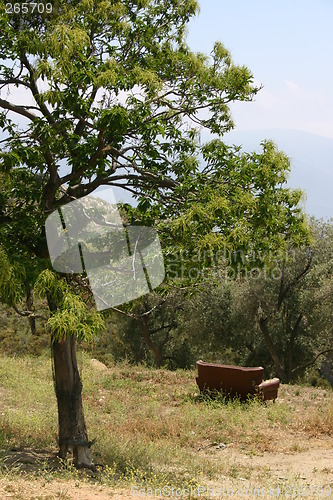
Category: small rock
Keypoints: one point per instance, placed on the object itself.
(98, 365)
(221, 446)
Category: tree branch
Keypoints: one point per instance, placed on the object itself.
(15, 81)
(270, 347)
(284, 292)
(82, 122)
(35, 92)
(29, 314)
(310, 363)
(21, 110)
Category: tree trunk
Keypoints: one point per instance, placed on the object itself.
(158, 356)
(68, 387)
(292, 337)
(269, 344)
(30, 305)
(73, 437)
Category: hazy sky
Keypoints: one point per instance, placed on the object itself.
(288, 46)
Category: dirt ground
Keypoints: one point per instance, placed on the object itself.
(305, 473)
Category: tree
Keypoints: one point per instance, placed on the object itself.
(292, 305)
(110, 94)
(150, 333)
(279, 316)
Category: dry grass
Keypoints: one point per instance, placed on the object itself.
(152, 425)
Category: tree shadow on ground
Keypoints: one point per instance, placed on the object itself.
(25, 460)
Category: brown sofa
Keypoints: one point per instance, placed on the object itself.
(236, 381)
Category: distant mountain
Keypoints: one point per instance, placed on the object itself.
(311, 161)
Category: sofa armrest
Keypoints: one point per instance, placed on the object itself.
(269, 389)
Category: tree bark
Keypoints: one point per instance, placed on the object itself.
(271, 350)
(292, 337)
(30, 305)
(73, 437)
(158, 356)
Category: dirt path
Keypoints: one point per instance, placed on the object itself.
(312, 466)
(20, 489)
(302, 474)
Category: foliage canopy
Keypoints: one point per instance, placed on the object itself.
(114, 96)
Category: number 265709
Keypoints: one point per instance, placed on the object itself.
(28, 7)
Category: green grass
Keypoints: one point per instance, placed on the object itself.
(151, 426)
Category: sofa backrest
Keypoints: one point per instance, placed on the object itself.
(232, 380)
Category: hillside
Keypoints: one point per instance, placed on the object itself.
(152, 429)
